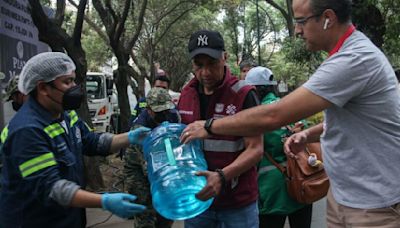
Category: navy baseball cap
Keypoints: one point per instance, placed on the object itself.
(206, 42)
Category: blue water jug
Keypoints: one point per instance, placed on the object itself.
(171, 170)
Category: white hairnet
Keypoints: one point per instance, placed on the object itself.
(45, 67)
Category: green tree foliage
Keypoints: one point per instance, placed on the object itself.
(380, 21)
(293, 63)
(165, 39)
(391, 46)
(172, 52)
(97, 52)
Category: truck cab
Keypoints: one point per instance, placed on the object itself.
(101, 101)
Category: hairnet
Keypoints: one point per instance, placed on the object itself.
(45, 67)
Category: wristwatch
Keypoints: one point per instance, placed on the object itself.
(207, 125)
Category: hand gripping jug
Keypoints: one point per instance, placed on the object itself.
(171, 170)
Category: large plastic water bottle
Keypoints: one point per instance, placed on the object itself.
(171, 170)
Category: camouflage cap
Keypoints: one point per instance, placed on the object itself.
(158, 99)
(12, 87)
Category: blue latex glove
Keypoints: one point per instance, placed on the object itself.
(136, 136)
(121, 204)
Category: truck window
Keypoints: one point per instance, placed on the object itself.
(95, 87)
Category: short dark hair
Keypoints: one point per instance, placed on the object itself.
(247, 63)
(162, 78)
(263, 90)
(342, 8)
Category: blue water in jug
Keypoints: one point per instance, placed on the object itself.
(171, 170)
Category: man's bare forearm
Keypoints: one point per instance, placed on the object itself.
(254, 121)
(314, 133)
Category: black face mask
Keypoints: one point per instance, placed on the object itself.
(16, 106)
(160, 117)
(167, 115)
(72, 97)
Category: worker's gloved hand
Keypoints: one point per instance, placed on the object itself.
(121, 204)
(136, 136)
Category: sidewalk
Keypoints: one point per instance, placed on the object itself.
(97, 216)
(103, 220)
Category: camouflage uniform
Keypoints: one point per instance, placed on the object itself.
(135, 169)
(136, 183)
(11, 88)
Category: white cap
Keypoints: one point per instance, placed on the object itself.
(45, 67)
(260, 76)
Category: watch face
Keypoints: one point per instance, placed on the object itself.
(207, 125)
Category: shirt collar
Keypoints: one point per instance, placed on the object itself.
(46, 115)
(342, 39)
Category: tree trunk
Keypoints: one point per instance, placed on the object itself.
(57, 38)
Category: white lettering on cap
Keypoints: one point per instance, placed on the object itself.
(202, 40)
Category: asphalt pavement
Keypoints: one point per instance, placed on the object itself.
(98, 218)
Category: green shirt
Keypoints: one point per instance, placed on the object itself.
(273, 196)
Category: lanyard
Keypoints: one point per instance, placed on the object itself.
(339, 44)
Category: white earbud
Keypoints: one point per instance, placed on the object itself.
(326, 23)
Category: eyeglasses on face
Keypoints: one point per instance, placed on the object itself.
(302, 21)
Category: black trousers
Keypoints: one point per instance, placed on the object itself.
(298, 219)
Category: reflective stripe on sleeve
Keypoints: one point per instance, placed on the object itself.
(88, 127)
(4, 134)
(54, 130)
(223, 145)
(74, 117)
(142, 104)
(37, 164)
(238, 85)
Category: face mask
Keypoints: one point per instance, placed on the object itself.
(16, 106)
(160, 117)
(172, 117)
(72, 97)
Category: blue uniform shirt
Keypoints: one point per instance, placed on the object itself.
(38, 152)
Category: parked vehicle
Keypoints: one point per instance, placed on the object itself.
(102, 102)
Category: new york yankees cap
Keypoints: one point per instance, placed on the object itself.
(206, 42)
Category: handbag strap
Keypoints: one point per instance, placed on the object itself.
(276, 164)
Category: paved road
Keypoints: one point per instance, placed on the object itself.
(96, 216)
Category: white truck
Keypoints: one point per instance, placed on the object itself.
(102, 102)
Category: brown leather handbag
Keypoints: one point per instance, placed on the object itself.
(306, 179)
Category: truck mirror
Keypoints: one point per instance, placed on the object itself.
(110, 83)
(109, 92)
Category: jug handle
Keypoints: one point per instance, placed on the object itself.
(170, 153)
